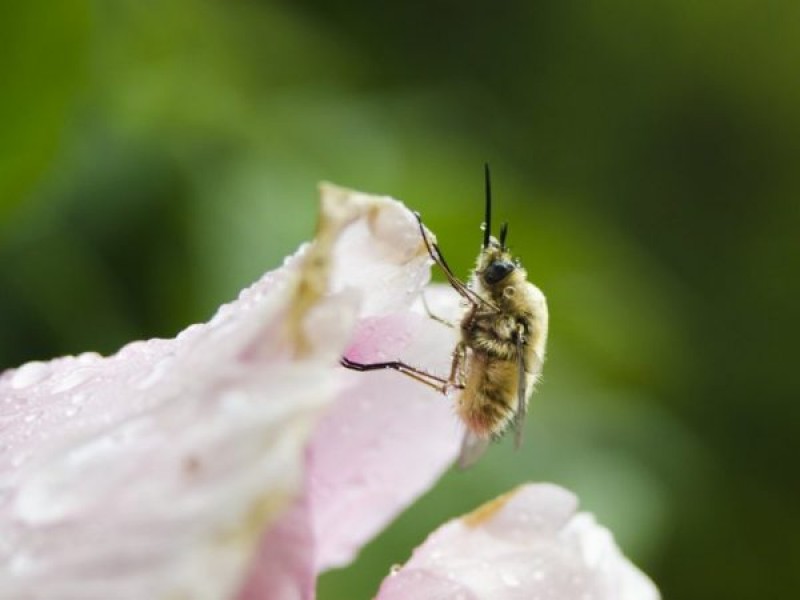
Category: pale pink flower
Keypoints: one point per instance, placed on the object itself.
(527, 544)
(238, 460)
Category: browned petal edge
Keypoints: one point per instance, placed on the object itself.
(339, 208)
(485, 512)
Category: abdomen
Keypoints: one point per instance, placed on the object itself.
(488, 403)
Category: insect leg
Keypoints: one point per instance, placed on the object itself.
(456, 373)
(436, 254)
(433, 316)
(438, 383)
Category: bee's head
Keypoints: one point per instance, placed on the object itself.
(495, 262)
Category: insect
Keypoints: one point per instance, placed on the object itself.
(503, 334)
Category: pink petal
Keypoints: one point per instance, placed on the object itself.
(154, 472)
(386, 440)
(529, 543)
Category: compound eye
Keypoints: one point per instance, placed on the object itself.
(497, 271)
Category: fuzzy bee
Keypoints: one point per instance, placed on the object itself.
(503, 332)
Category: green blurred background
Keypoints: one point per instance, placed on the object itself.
(155, 157)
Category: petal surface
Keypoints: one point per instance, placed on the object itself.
(156, 471)
(383, 443)
(530, 543)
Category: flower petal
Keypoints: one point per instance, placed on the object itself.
(529, 543)
(387, 440)
(154, 472)
(384, 442)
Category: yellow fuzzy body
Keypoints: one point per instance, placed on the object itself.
(514, 317)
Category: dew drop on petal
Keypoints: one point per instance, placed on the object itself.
(18, 459)
(72, 380)
(31, 417)
(87, 358)
(29, 374)
(510, 579)
(189, 331)
(157, 372)
(21, 563)
(93, 450)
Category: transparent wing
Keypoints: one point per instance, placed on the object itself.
(472, 448)
(522, 396)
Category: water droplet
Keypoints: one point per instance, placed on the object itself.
(189, 331)
(394, 570)
(34, 416)
(29, 374)
(18, 459)
(21, 563)
(510, 579)
(71, 380)
(158, 371)
(483, 226)
(87, 358)
(94, 450)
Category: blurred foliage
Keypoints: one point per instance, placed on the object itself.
(157, 157)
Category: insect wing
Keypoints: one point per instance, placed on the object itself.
(522, 404)
(472, 448)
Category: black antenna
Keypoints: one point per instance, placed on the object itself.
(487, 223)
(503, 234)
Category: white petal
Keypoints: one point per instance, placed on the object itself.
(153, 473)
(529, 543)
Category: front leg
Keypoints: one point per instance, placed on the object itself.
(433, 316)
(437, 383)
(456, 378)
